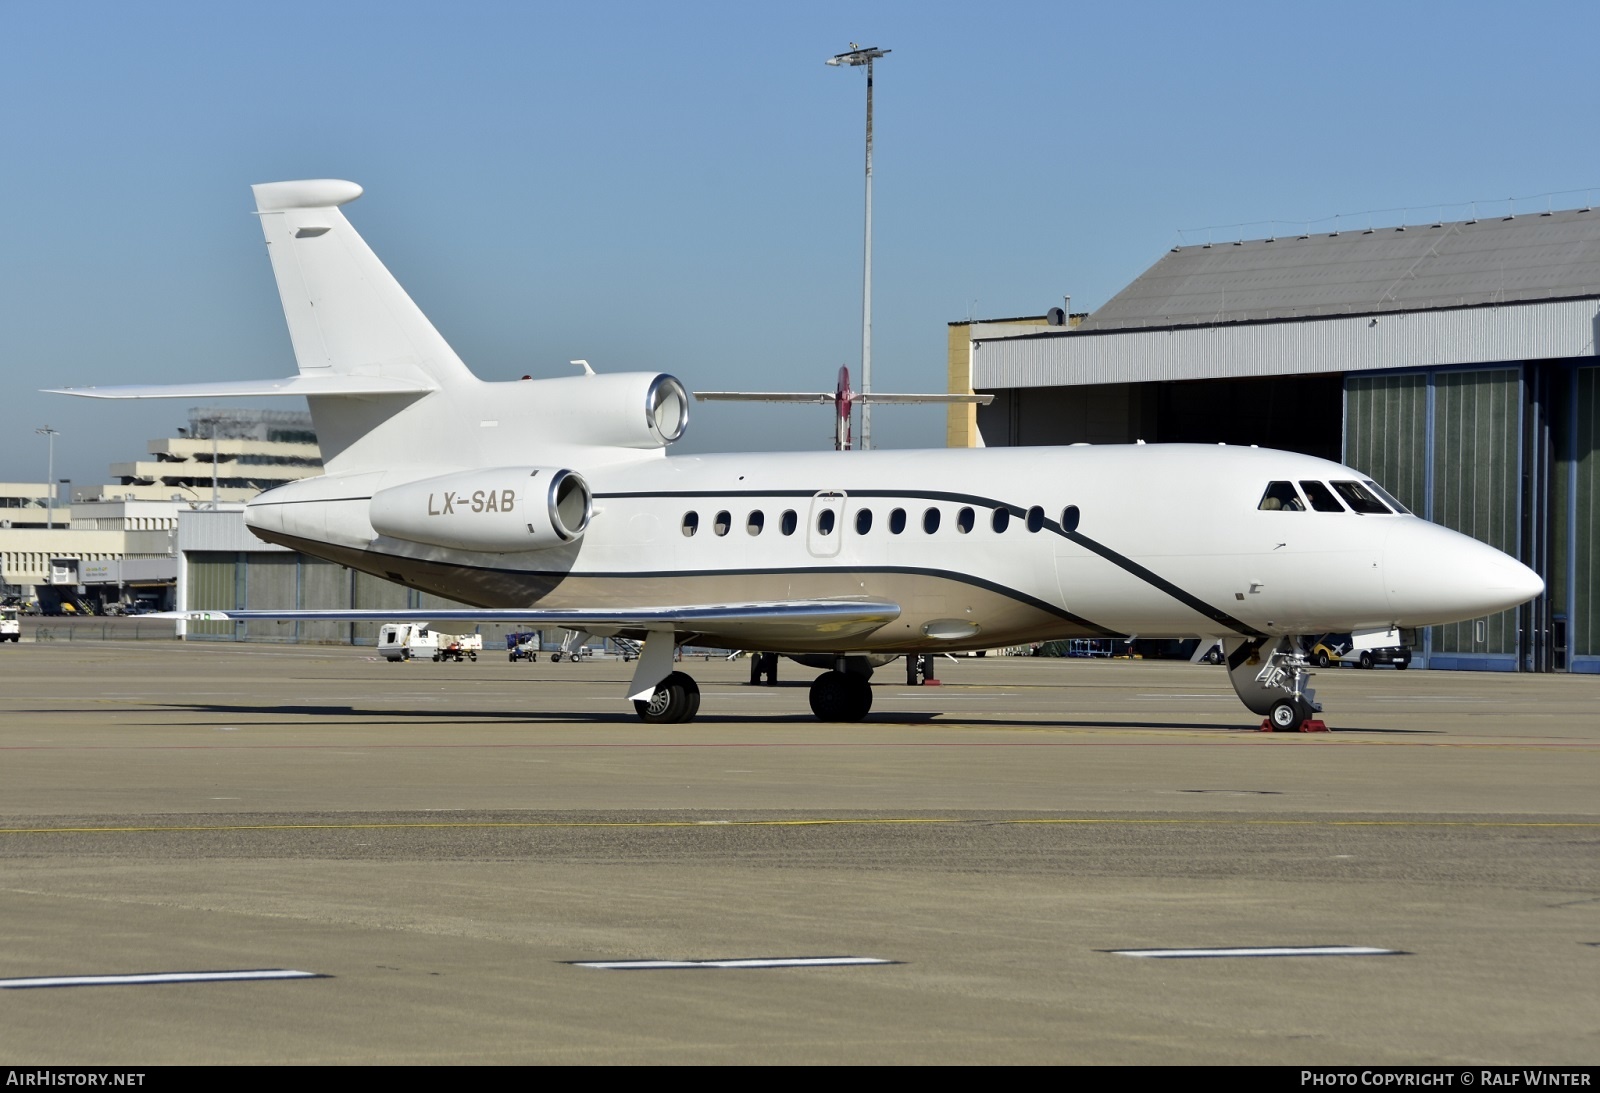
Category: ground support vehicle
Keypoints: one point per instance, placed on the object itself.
(10, 626)
(523, 646)
(399, 641)
(1336, 649)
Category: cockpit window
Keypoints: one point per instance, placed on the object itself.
(1281, 495)
(1361, 499)
(1388, 497)
(1322, 498)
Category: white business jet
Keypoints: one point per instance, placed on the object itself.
(553, 502)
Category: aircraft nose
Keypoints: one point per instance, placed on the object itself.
(1435, 575)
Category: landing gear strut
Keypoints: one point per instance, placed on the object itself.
(1274, 684)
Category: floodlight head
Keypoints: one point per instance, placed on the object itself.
(857, 56)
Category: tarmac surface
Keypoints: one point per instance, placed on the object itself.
(442, 844)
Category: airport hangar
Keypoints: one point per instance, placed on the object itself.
(1454, 362)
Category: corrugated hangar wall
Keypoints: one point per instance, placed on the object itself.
(1506, 455)
(238, 580)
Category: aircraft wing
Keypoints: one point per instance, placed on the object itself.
(829, 396)
(288, 385)
(818, 397)
(781, 625)
(873, 396)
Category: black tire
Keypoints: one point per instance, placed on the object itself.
(840, 696)
(1401, 665)
(1286, 715)
(1366, 660)
(1320, 660)
(676, 700)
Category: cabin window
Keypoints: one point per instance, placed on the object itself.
(723, 522)
(788, 522)
(1035, 518)
(825, 520)
(755, 522)
(1388, 498)
(691, 523)
(863, 521)
(965, 520)
(1000, 520)
(1280, 496)
(897, 521)
(1360, 499)
(930, 521)
(1069, 519)
(1321, 497)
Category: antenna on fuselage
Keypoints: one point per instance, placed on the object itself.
(583, 365)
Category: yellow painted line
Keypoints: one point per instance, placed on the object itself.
(815, 822)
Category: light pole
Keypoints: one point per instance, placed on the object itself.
(50, 476)
(856, 57)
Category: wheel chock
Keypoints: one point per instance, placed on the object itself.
(933, 683)
(1313, 725)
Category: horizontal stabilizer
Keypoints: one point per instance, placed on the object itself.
(831, 396)
(750, 625)
(289, 385)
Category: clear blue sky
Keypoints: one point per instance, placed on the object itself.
(678, 186)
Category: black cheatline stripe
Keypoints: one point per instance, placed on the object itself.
(1155, 580)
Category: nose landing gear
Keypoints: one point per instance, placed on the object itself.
(1274, 684)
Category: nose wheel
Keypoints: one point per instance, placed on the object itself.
(1288, 714)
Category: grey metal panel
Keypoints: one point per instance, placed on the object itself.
(1584, 626)
(324, 585)
(150, 569)
(212, 585)
(1487, 335)
(271, 580)
(1492, 260)
(375, 592)
(1476, 449)
(221, 530)
(1386, 434)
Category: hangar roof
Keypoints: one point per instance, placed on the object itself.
(1542, 256)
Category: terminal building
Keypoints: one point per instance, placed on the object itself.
(116, 543)
(1455, 362)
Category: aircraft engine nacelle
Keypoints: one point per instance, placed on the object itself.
(623, 410)
(501, 510)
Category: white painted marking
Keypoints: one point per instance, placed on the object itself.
(153, 977)
(1187, 696)
(1304, 950)
(762, 962)
(227, 728)
(924, 695)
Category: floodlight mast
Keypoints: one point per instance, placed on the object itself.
(50, 477)
(856, 57)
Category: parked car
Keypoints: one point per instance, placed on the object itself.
(1335, 649)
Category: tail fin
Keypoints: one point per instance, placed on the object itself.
(347, 314)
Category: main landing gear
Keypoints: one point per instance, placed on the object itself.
(841, 696)
(676, 700)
